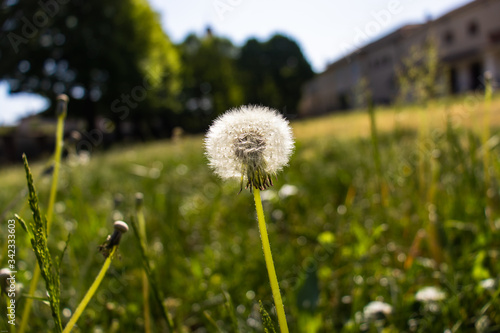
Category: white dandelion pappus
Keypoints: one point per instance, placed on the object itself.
(376, 309)
(251, 143)
(430, 294)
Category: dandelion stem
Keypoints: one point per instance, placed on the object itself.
(157, 294)
(90, 292)
(50, 211)
(266, 247)
(29, 300)
(55, 175)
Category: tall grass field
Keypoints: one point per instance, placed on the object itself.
(386, 228)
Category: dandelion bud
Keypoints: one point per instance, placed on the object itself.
(62, 105)
(120, 226)
(139, 200)
(114, 239)
(251, 143)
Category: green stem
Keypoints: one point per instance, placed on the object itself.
(152, 282)
(12, 328)
(145, 284)
(55, 175)
(90, 292)
(376, 151)
(266, 247)
(50, 211)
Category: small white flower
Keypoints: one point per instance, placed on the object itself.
(430, 294)
(251, 143)
(288, 191)
(375, 310)
(269, 195)
(488, 284)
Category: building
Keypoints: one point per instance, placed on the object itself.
(467, 41)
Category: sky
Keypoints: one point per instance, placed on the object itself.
(325, 30)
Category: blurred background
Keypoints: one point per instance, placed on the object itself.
(137, 70)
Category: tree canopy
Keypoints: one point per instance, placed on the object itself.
(111, 56)
(114, 60)
(273, 72)
(217, 76)
(210, 79)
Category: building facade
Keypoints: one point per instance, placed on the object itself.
(467, 42)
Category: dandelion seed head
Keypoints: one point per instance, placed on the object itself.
(120, 226)
(250, 142)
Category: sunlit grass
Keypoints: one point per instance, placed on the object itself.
(466, 111)
(336, 245)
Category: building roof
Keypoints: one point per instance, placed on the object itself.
(402, 32)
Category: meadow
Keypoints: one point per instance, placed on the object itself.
(361, 223)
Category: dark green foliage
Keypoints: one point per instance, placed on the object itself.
(103, 49)
(308, 292)
(210, 78)
(273, 73)
(218, 76)
(38, 228)
(231, 312)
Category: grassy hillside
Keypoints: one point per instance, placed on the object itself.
(345, 231)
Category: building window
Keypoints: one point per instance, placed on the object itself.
(448, 38)
(473, 28)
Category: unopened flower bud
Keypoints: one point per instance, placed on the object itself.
(62, 105)
(139, 200)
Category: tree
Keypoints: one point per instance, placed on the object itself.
(110, 56)
(210, 78)
(273, 72)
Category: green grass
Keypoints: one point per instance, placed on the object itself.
(338, 243)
